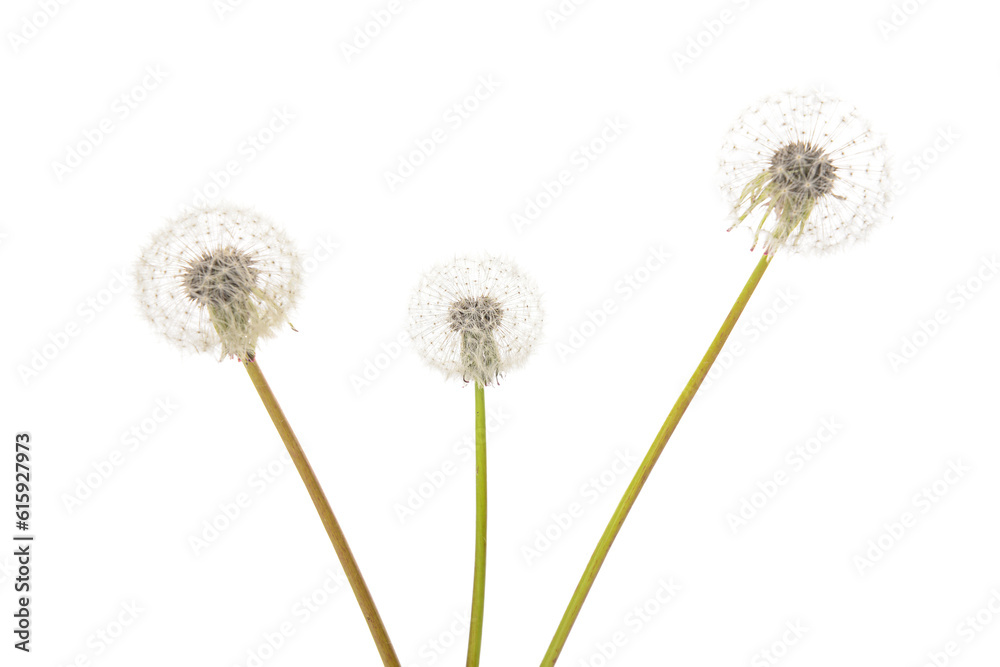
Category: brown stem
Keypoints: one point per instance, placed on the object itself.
(333, 529)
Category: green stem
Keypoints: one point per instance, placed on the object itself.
(479, 576)
(333, 529)
(632, 492)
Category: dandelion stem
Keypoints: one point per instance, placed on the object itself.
(479, 575)
(646, 467)
(333, 529)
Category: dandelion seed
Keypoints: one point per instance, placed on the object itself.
(219, 278)
(475, 317)
(805, 172)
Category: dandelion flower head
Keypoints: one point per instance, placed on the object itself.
(475, 318)
(805, 172)
(220, 279)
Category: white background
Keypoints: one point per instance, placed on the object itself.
(565, 417)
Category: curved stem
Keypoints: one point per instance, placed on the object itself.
(333, 529)
(646, 467)
(479, 575)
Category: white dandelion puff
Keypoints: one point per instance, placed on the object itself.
(475, 318)
(806, 172)
(218, 278)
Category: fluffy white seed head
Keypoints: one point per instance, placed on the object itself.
(805, 172)
(475, 318)
(218, 279)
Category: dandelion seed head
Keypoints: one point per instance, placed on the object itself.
(805, 173)
(218, 279)
(803, 170)
(479, 313)
(475, 318)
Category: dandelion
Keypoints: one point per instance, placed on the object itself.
(223, 278)
(806, 172)
(219, 278)
(476, 318)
